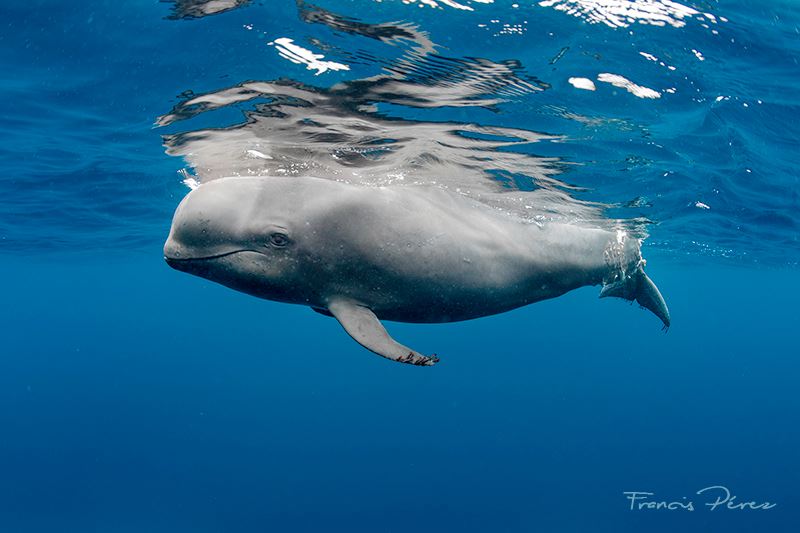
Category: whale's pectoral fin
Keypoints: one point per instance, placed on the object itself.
(365, 328)
(639, 287)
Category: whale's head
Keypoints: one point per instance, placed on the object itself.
(238, 232)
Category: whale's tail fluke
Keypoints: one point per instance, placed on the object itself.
(638, 287)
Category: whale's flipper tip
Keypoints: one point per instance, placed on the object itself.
(639, 287)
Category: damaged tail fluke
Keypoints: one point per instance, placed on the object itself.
(640, 288)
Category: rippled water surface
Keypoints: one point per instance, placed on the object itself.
(679, 120)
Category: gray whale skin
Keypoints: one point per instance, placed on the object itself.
(407, 254)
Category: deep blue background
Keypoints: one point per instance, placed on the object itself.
(136, 398)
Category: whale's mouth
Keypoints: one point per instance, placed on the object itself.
(179, 263)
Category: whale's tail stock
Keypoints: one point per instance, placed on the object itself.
(638, 287)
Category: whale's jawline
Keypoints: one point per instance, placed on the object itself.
(186, 260)
(190, 264)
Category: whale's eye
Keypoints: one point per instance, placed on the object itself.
(278, 239)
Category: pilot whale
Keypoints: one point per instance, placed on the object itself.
(397, 253)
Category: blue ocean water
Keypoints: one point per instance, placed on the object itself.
(137, 398)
